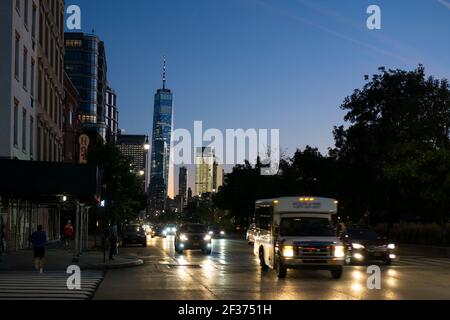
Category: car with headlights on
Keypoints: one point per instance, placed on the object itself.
(193, 236)
(364, 244)
(170, 229)
(134, 234)
(216, 232)
(159, 231)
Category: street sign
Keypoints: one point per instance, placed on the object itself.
(84, 147)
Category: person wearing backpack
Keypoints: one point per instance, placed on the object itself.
(39, 239)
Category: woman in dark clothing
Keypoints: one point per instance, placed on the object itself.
(39, 240)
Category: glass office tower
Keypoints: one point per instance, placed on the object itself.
(161, 147)
(85, 64)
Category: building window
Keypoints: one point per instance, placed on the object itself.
(33, 21)
(31, 136)
(25, 68)
(39, 143)
(73, 43)
(24, 130)
(25, 13)
(51, 103)
(41, 30)
(16, 57)
(18, 6)
(46, 94)
(40, 85)
(16, 122)
(32, 77)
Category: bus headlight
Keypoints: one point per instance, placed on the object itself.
(183, 237)
(288, 251)
(339, 252)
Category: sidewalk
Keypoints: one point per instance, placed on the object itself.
(57, 259)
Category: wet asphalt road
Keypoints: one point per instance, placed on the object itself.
(232, 272)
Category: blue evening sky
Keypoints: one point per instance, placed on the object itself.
(284, 64)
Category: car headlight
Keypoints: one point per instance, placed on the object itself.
(174, 229)
(339, 251)
(288, 251)
(211, 233)
(164, 232)
(183, 237)
(357, 246)
(391, 246)
(207, 237)
(222, 232)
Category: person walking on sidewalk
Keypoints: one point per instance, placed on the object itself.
(68, 234)
(39, 240)
(113, 238)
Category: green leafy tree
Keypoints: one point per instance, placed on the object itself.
(394, 156)
(122, 188)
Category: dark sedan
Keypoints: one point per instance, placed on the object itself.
(193, 237)
(134, 234)
(366, 245)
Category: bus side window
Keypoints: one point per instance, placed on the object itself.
(264, 217)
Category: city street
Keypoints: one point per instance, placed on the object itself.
(232, 272)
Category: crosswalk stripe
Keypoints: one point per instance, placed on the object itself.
(48, 286)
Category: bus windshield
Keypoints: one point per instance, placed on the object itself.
(307, 227)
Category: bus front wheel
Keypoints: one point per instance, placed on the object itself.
(281, 270)
(262, 262)
(337, 273)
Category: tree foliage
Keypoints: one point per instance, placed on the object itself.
(121, 187)
(390, 162)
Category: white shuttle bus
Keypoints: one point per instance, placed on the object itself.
(298, 233)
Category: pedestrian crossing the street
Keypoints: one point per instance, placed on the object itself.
(421, 261)
(47, 286)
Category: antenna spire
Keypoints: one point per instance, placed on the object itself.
(164, 74)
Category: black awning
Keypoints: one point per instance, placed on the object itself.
(34, 180)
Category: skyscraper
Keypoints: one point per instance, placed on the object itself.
(161, 146)
(208, 172)
(218, 174)
(182, 184)
(204, 176)
(112, 115)
(135, 149)
(85, 64)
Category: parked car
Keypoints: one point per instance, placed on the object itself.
(134, 234)
(193, 236)
(251, 232)
(364, 244)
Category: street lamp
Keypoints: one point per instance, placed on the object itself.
(147, 145)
